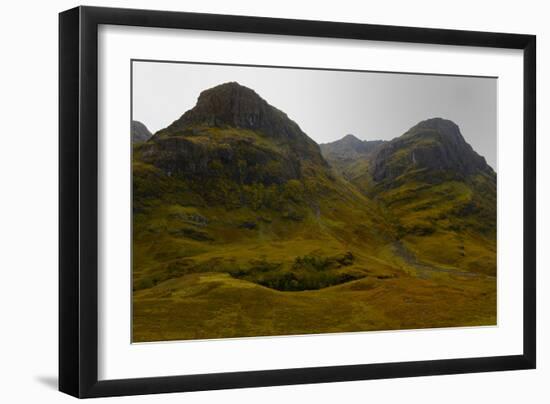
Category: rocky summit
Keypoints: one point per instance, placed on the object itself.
(234, 136)
(435, 145)
(236, 106)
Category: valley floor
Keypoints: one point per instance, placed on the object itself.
(216, 305)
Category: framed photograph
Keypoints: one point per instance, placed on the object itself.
(252, 202)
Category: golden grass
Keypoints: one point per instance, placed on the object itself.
(214, 305)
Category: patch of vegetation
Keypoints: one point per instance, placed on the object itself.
(308, 272)
(299, 281)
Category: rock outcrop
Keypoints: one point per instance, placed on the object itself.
(236, 106)
(235, 135)
(435, 145)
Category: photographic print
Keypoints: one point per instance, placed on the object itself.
(271, 201)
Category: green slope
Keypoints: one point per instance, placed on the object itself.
(440, 194)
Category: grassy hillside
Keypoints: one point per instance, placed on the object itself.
(440, 194)
(216, 305)
(308, 230)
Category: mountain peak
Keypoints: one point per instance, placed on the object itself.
(435, 144)
(437, 123)
(444, 127)
(229, 92)
(234, 105)
(351, 138)
(349, 147)
(227, 104)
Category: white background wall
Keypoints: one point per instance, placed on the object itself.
(28, 199)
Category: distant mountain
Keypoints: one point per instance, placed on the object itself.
(349, 154)
(140, 133)
(349, 147)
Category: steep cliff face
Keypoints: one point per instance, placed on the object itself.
(231, 105)
(232, 134)
(225, 154)
(435, 146)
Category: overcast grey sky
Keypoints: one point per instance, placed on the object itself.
(329, 104)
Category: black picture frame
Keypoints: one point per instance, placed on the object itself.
(78, 201)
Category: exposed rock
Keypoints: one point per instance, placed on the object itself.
(238, 160)
(203, 143)
(436, 145)
(233, 105)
